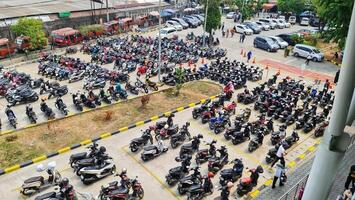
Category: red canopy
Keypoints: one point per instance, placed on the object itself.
(268, 6)
(4, 41)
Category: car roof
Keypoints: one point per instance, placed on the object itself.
(307, 46)
(168, 28)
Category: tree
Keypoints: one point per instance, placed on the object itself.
(294, 6)
(213, 18)
(336, 15)
(32, 28)
(246, 8)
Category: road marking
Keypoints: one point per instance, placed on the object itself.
(11, 169)
(180, 109)
(139, 123)
(311, 148)
(85, 142)
(63, 150)
(123, 129)
(268, 182)
(152, 174)
(154, 118)
(39, 159)
(254, 193)
(105, 135)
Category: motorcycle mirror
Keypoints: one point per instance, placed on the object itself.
(51, 165)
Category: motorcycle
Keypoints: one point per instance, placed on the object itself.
(39, 183)
(204, 155)
(292, 139)
(47, 110)
(255, 143)
(92, 173)
(152, 84)
(199, 191)
(120, 192)
(233, 174)
(58, 91)
(131, 88)
(77, 102)
(174, 175)
(217, 124)
(105, 98)
(215, 164)
(319, 131)
(190, 148)
(197, 112)
(60, 105)
(240, 137)
(271, 155)
(153, 151)
(143, 86)
(137, 143)
(166, 133)
(94, 83)
(246, 184)
(179, 138)
(186, 182)
(21, 94)
(31, 114)
(81, 156)
(77, 76)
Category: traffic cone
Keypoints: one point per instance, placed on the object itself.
(241, 52)
(254, 60)
(203, 61)
(244, 55)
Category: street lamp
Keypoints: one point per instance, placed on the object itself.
(204, 26)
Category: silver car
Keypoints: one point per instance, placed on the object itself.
(263, 26)
(302, 50)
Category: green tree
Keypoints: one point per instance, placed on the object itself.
(213, 18)
(336, 15)
(295, 6)
(32, 28)
(246, 8)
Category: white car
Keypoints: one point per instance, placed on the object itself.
(302, 50)
(304, 21)
(279, 24)
(168, 32)
(240, 28)
(292, 20)
(174, 24)
(287, 25)
(282, 17)
(282, 43)
(230, 15)
(263, 26)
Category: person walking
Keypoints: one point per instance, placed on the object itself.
(280, 156)
(350, 180)
(336, 78)
(309, 58)
(243, 37)
(279, 175)
(249, 54)
(223, 32)
(232, 32)
(222, 27)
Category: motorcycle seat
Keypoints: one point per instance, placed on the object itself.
(35, 179)
(187, 146)
(173, 127)
(120, 190)
(195, 187)
(174, 170)
(226, 172)
(46, 196)
(78, 155)
(87, 161)
(113, 183)
(149, 148)
(138, 140)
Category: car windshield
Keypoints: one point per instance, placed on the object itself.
(279, 39)
(163, 31)
(316, 51)
(268, 40)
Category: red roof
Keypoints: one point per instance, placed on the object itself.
(268, 6)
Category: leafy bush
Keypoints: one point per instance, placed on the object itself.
(297, 38)
(85, 30)
(32, 28)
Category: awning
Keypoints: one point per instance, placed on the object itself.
(170, 11)
(110, 23)
(268, 6)
(4, 41)
(154, 13)
(62, 30)
(125, 20)
(165, 14)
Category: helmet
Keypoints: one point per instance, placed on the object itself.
(200, 136)
(166, 126)
(124, 170)
(187, 123)
(260, 169)
(210, 174)
(102, 149)
(230, 184)
(65, 181)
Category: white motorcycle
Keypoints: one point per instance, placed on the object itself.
(93, 173)
(153, 151)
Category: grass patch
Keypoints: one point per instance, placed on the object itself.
(52, 136)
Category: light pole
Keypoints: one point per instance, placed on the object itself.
(204, 26)
(159, 42)
(107, 13)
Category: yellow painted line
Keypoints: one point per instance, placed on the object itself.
(86, 109)
(6, 132)
(105, 135)
(38, 159)
(268, 182)
(152, 174)
(192, 105)
(254, 193)
(85, 142)
(12, 168)
(212, 97)
(180, 109)
(154, 118)
(63, 150)
(203, 100)
(167, 113)
(302, 156)
(30, 125)
(123, 129)
(292, 164)
(318, 141)
(70, 114)
(139, 123)
(311, 148)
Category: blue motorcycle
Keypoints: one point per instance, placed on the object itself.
(217, 124)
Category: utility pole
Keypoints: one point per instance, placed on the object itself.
(204, 26)
(159, 41)
(335, 141)
(107, 13)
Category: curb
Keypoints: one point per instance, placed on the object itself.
(255, 193)
(100, 137)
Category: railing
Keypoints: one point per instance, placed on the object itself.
(293, 193)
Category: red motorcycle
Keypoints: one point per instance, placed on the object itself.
(119, 192)
(206, 116)
(141, 70)
(230, 108)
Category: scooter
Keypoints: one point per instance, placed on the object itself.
(179, 138)
(319, 131)
(153, 151)
(232, 174)
(174, 175)
(119, 192)
(246, 184)
(93, 173)
(186, 182)
(39, 183)
(255, 143)
(190, 148)
(80, 156)
(31, 114)
(137, 143)
(60, 105)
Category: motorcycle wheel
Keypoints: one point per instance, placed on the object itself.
(146, 90)
(173, 144)
(195, 116)
(181, 191)
(144, 158)
(140, 193)
(102, 197)
(65, 112)
(134, 147)
(155, 88)
(157, 137)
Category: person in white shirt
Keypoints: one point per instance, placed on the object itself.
(280, 155)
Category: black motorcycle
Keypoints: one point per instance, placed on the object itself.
(174, 175)
(22, 94)
(179, 138)
(190, 148)
(58, 91)
(137, 143)
(31, 114)
(186, 182)
(131, 88)
(60, 105)
(197, 112)
(141, 85)
(47, 110)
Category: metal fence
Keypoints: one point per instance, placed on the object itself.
(294, 192)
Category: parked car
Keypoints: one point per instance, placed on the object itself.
(279, 41)
(292, 20)
(167, 32)
(199, 22)
(263, 25)
(253, 26)
(265, 43)
(306, 32)
(240, 28)
(282, 17)
(200, 17)
(304, 21)
(230, 15)
(269, 22)
(287, 25)
(174, 24)
(315, 22)
(302, 50)
(181, 22)
(279, 24)
(308, 14)
(287, 38)
(192, 23)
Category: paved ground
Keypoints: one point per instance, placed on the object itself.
(152, 173)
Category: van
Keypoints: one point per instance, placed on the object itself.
(168, 32)
(269, 22)
(265, 43)
(302, 50)
(292, 20)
